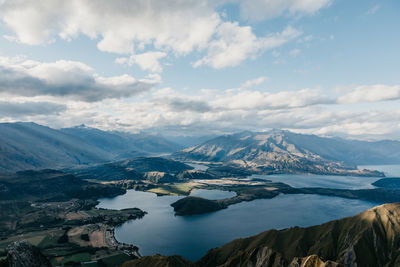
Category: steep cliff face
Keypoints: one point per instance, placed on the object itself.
(23, 254)
(265, 256)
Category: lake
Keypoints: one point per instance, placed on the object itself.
(161, 232)
(333, 181)
(325, 181)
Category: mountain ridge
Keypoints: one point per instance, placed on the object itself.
(280, 151)
(27, 145)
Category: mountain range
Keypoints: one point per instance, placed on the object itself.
(284, 151)
(33, 146)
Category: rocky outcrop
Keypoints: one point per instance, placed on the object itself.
(258, 257)
(313, 261)
(23, 254)
(264, 256)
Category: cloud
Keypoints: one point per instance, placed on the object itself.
(156, 26)
(371, 93)
(267, 9)
(219, 111)
(146, 61)
(235, 43)
(373, 9)
(66, 79)
(251, 83)
(122, 26)
(181, 104)
(20, 109)
(294, 52)
(257, 100)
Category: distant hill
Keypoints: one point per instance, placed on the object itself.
(371, 238)
(133, 169)
(123, 143)
(33, 146)
(287, 151)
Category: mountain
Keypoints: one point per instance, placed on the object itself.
(122, 143)
(133, 169)
(188, 141)
(284, 151)
(32, 146)
(369, 239)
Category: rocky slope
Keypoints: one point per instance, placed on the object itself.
(371, 238)
(273, 152)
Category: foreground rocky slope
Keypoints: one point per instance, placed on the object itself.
(371, 238)
(278, 152)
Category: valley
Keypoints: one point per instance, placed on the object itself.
(108, 211)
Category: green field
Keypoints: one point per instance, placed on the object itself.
(176, 189)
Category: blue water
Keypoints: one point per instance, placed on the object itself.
(192, 236)
(325, 181)
(212, 194)
(199, 167)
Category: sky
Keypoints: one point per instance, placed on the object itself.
(198, 67)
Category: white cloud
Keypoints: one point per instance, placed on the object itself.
(69, 79)
(235, 43)
(254, 82)
(156, 26)
(371, 93)
(295, 52)
(146, 61)
(257, 100)
(214, 111)
(373, 9)
(122, 25)
(266, 9)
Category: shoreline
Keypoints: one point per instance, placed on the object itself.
(130, 250)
